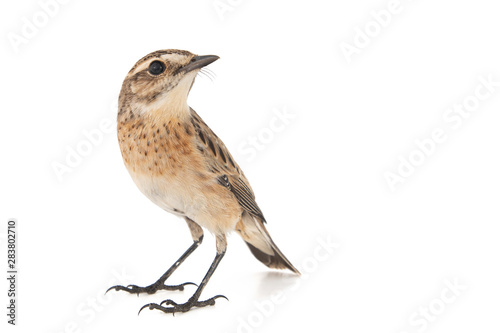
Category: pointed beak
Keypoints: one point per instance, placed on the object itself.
(198, 62)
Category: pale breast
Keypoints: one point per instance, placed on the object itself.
(166, 165)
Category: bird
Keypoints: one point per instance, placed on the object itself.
(182, 166)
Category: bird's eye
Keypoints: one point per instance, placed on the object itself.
(156, 67)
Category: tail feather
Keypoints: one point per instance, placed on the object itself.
(256, 236)
(277, 261)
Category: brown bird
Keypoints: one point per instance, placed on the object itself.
(179, 163)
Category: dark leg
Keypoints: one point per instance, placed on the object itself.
(197, 234)
(194, 300)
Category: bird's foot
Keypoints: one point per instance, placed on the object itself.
(172, 307)
(159, 285)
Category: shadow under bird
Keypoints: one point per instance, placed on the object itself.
(179, 163)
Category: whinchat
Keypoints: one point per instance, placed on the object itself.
(179, 163)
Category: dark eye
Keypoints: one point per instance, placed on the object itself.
(156, 67)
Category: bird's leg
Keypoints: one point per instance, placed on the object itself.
(197, 234)
(169, 306)
(160, 284)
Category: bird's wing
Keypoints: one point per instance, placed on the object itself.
(222, 164)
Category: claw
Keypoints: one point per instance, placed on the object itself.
(219, 296)
(145, 306)
(113, 287)
(168, 302)
(180, 286)
(130, 289)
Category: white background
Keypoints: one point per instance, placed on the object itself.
(320, 179)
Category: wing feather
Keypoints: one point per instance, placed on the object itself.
(228, 173)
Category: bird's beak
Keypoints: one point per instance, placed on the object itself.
(198, 62)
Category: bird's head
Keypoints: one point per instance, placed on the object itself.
(161, 81)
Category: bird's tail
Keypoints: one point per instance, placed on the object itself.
(255, 234)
